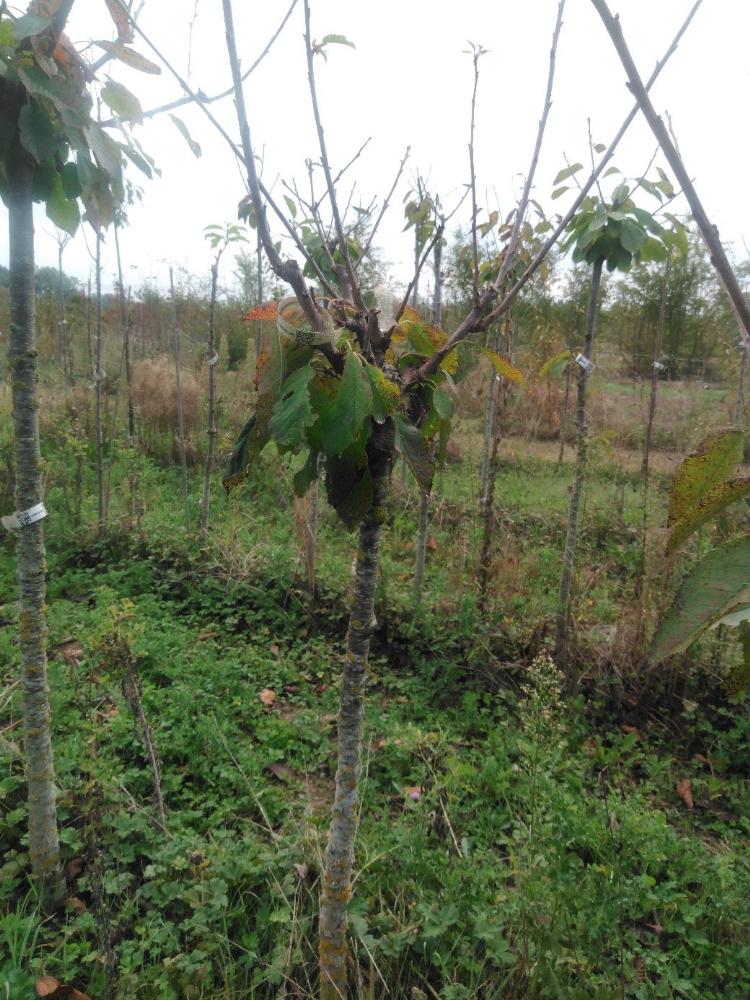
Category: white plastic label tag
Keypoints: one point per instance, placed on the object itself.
(213, 360)
(586, 364)
(23, 518)
(659, 366)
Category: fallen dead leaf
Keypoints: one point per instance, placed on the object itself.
(267, 696)
(46, 986)
(302, 871)
(431, 544)
(685, 791)
(281, 772)
(74, 868)
(203, 636)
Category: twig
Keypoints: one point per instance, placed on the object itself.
(437, 235)
(478, 51)
(709, 232)
(343, 245)
(384, 209)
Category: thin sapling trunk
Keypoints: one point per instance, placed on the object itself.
(568, 380)
(98, 390)
(178, 393)
(125, 333)
(212, 361)
(571, 540)
(44, 847)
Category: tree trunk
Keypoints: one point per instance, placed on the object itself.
(422, 524)
(437, 302)
(645, 465)
(740, 389)
(566, 398)
(571, 540)
(125, 331)
(212, 361)
(98, 379)
(259, 278)
(178, 391)
(489, 423)
(44, 846)
(339, 855)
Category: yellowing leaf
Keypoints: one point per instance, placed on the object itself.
(503, 367)
(712, 462)
(712, 502)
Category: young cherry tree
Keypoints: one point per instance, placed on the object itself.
(51, 151)
(338, 386)
(615, 233)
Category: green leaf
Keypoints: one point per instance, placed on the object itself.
(712, 503)
(716, 587)
(292, 412)
(556, 365)
(632, 236)
(43, 180)
(503, 367)
(122, 102)
(130, 57)
(443, 404)
(61, 210)
(182, 128)
(566, 173)
(58, 89)
(337, 40)
(349, 486)
(559, 192)
(38, 135)
(414, 449)
(30, 24)
(386, 395)
(343, 417)
(307, 475)
(107, 152)
(712, 462)
(70, 180)
(291, 205)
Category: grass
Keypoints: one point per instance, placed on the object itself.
(515, 840)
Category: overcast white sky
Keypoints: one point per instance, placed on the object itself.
(408, 82)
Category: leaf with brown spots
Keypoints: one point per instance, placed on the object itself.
(711, 464)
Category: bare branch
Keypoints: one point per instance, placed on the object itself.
(288, 270)
(343, 245)
(474, 321)
(437, 235)
(708, 230)
(384, 209)
(478, 51)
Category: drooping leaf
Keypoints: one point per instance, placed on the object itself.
(107, 152)
(43, 180)
(559, 192)
(307, 474)
(443, 404)
(122, 102)
(712, 502)
(385, 394)
(292, 412)
(349, 485)
(632, 236)
(556, 365)
(182, 129)
(503, 367)
(61, 210)
(130, 57)
(342, 418)
(37, 132)
(121, 20)
(718, 585)
(712, 462)
(414, 449)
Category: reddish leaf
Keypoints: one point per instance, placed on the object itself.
(267, 696)
(119, 15)
(280, 772)
(685, 791)
(432, 544)
(46, 986)
(413, 792)
(267, 311)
